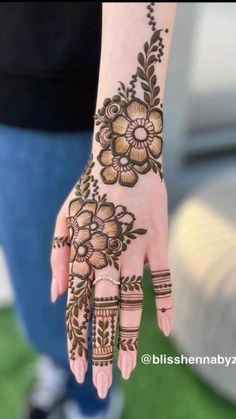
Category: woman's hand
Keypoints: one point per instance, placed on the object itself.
(115, 219)
(109, 233)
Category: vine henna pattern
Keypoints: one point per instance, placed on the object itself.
(130, 128)
(99, 232)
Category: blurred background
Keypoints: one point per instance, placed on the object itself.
(200, 160)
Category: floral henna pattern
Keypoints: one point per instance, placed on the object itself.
(103, 330)
(130, 128)
(131, 299)
(99, 232)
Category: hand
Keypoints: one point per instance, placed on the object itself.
(109, 232)
(114, 221)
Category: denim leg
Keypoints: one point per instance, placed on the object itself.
(37, 171)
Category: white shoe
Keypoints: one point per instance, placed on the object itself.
(50, 384)
(71, 409)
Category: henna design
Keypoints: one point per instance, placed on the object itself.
(151, 17)
(128, 338)
(59, 242)
(99, 233)
(162, 284)
(81, 292)
(130, 128)
(100, 230)
(103, 331)
(131, 298)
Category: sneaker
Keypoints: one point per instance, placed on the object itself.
(48, 391)
(71, 409)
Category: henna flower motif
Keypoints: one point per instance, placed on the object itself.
(137, 132)
(88, 216)
(88, 254)
(119, 168)
(104, 137)
(93, 224)
(115, 246)
(112, 107)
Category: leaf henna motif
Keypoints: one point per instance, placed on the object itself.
(59, 242)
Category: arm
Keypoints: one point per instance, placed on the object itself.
(116, 216)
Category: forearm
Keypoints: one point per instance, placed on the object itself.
(136, 40)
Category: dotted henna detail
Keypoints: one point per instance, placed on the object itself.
(162, 284)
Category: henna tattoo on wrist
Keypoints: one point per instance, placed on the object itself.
(99, 232)
(59, 242)
(103, 330)
(130, 128)
(162, 283)
(131, 299)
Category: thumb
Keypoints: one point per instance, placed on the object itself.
(60, 257)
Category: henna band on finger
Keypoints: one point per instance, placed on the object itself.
(109, 278)
(103, 329)
(128, 338)
(131, 294)
(131, 299)
(164, 309)
(162, 283)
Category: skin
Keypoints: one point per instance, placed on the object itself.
(146, 199)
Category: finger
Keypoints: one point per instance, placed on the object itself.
(59, 258)
(79, 290)
(162, 284)
(131, 301)
(77, 320)
(158, 260)
(105, 314)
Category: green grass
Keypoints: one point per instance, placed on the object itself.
(16, 366)
(159, 391)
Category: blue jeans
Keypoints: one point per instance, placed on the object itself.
(37, 171)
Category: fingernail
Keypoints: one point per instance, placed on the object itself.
(54, 290)
(61, 286)
(102, 384)
(72, 365)
(126, 365)
(80, 373)
(165, 325)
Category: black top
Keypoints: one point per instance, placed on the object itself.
(49, 63)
